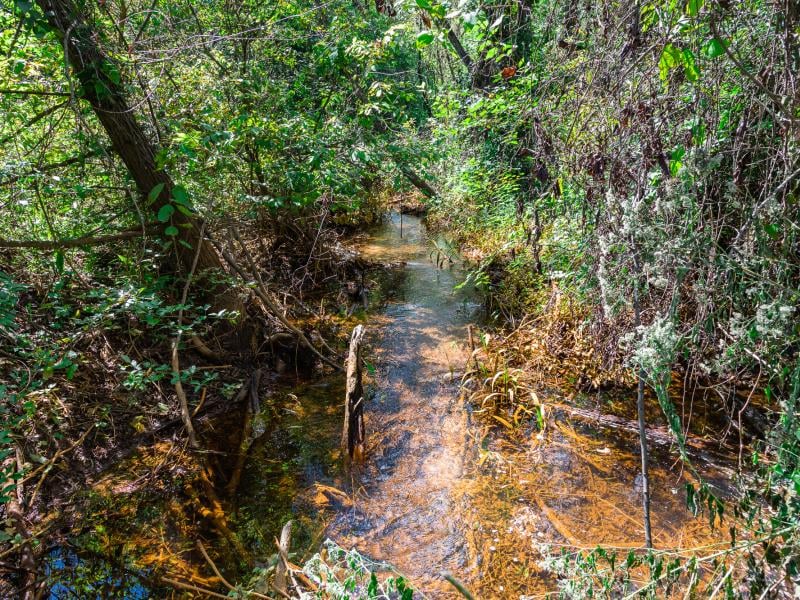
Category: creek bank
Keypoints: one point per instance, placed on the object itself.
(132, 491)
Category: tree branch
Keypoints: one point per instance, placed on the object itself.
(51, 167)
(418, 182)
(33, 92)
(76, 242)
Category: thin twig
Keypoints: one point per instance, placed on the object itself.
(459, 586)
(176, 368)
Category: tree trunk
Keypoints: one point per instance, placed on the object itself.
(442, 23)
(101, 87)
(100, 84)
(463, 56)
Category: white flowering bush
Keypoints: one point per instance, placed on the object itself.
(655, 349)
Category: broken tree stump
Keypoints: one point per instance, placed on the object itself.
(353, 434)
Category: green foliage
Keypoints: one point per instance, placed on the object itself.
(341, 573)
(657, 161)
(592, 148)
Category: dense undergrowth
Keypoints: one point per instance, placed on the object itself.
(176, 180)
(627, 188)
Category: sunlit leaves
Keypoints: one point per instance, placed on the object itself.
(670, 59)
(693, 7)
(689, 65)
(673, 57)
(425, 38)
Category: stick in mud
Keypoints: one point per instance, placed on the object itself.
(353, 434)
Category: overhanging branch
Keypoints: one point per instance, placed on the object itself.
(419, 183)
(92, 240)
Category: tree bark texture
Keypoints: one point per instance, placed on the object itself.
(101, 86)
(353, 435)
(104, 91)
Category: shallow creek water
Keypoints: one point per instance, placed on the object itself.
(402, 507)
(438, 491)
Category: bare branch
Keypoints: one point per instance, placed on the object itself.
(75, 242)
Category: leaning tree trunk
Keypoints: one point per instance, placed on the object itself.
(101, 87)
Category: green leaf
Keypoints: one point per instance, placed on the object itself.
(180, 195)
(693, 7)
(23, 6)
(671, 56)
(424, 39)
(689, 65)
(773, 230)
(171, 231)
(424, 4)
(114, 75)
(154, 193)
(372, 588)
(715, 47)
(691, 502)
(698, 133)
(675, 160)
(60, 261)
(165, 212)
(670, 59)
(184, 210)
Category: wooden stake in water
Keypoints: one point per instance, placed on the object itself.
(401, 224)
(353, 433)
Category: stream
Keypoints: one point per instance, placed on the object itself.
(402, 504)
(439, 492)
